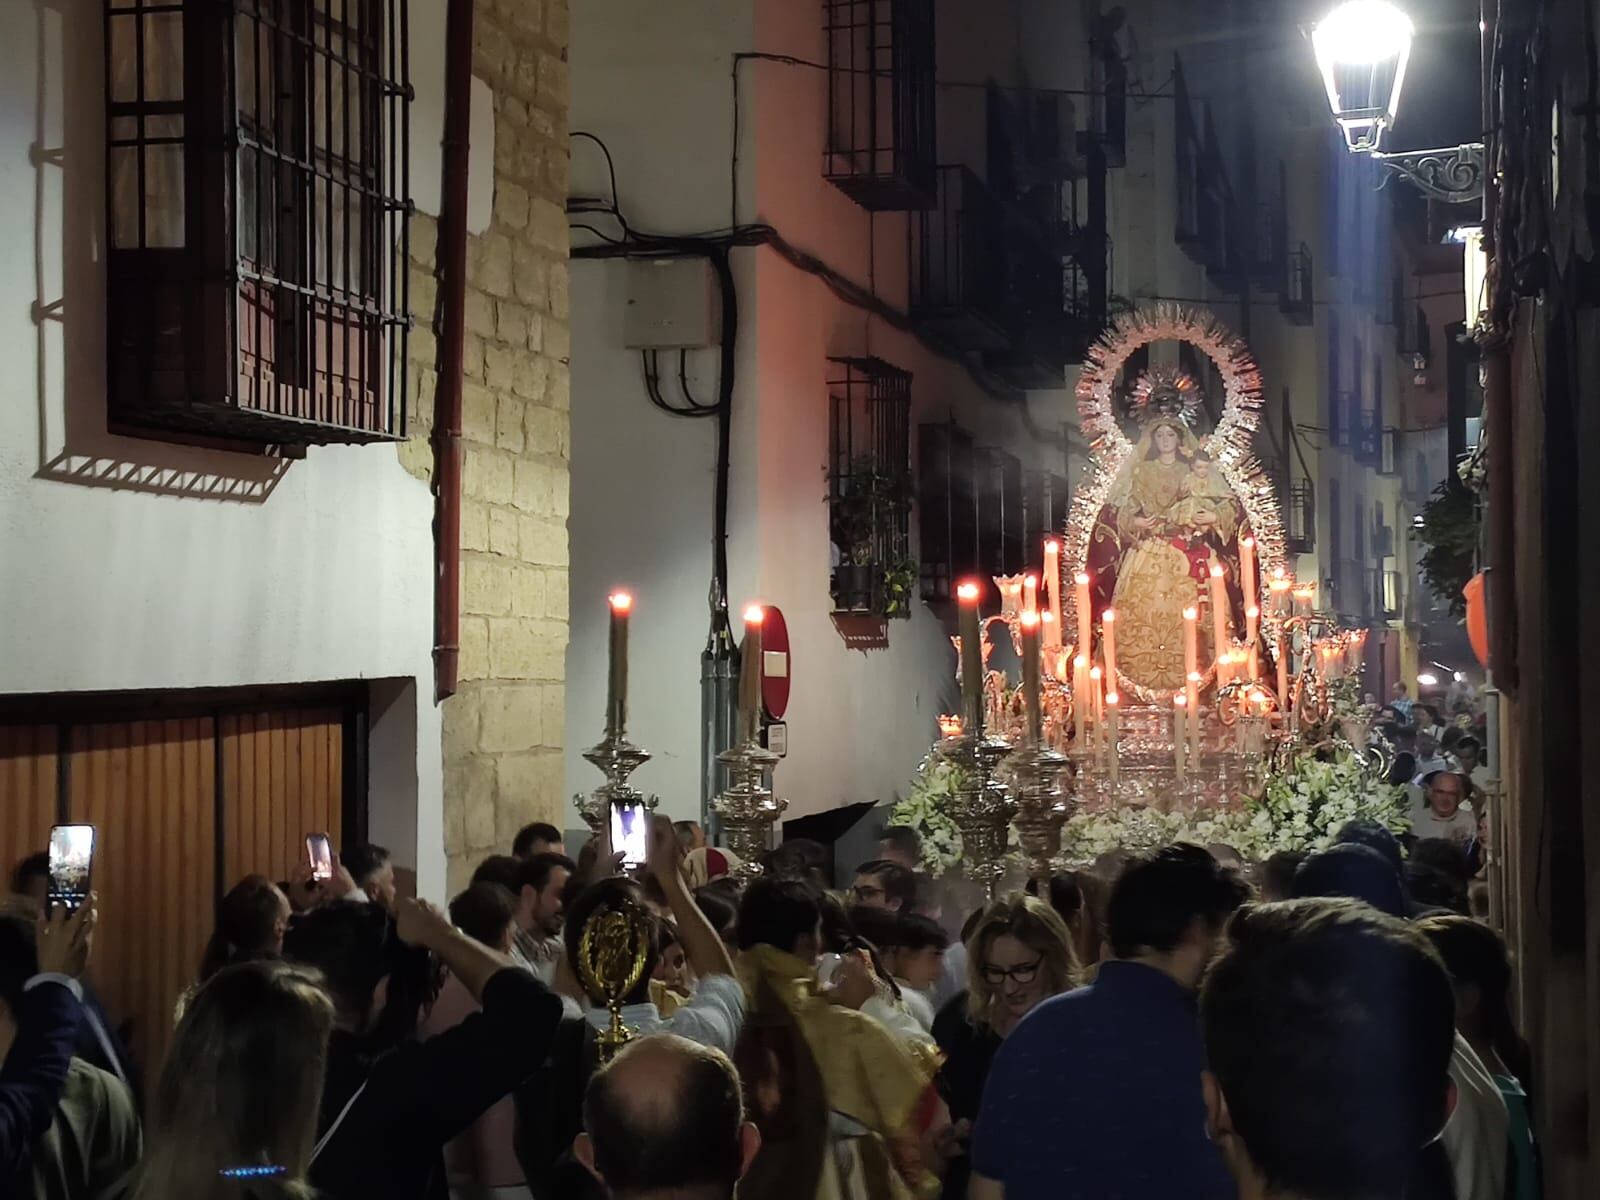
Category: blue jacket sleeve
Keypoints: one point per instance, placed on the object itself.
(35, 1069)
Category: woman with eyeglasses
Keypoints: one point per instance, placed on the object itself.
(1019, 952)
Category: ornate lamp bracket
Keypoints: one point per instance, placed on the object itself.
(1453, 175)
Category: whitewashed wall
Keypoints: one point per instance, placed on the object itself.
(130, 563)
(641, 492)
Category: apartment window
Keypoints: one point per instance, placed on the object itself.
(256, 186)
(869, 486)
(947, 509)
(880, 149)
(1333, 376)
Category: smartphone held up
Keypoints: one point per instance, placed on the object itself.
(630, 833)
(71, 865)
(319, 853)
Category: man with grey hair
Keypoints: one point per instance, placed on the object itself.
(664, 1120)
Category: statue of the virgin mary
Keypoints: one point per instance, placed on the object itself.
(1168, 515)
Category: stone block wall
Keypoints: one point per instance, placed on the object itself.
(505, 727)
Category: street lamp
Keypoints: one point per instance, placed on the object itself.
(1362, 49)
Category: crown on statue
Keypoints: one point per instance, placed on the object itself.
(1165, 394)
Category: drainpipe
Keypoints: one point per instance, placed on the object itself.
(451, 257)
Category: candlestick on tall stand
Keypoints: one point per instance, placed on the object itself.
(1194, 720)
(1042, 805)
(981, 806)
(746, 807)
(1180, 734)
(616, 757)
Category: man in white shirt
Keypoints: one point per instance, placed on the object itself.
(1444, 815)
(1429, 759)
(1469, 761)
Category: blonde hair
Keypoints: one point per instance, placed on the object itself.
(241, 1088)
(1036, 925)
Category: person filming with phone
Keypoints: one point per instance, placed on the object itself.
(67, 1128)
(390, 1102)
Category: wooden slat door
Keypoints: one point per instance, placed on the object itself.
(149, 788)
(282, 778)
(29, 774)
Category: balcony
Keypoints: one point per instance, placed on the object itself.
(1343, 419)
(1298, 299)
(880, 149)
(1267, 246)
(1055, 303)
(1368, 438)
(1300, 526)
(870, 486)
(1389, 452)
(958, 260)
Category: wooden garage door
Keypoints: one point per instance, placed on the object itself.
(185, 806)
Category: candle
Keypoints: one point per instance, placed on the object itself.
(1080, 700)
(1194, 718)
(1112, 701)
(1180, 732)
(1304, 595)
(1030, 676)
(1085, 613)
(750, 675)
(1252, 621)
(1191, 645)
(1247, 570)
(1283, 674)
(1030, 593)
(1108, 645)
(1097, 693)
(1052, 587)
(1219, 618)
(617, 678)
(971, 657)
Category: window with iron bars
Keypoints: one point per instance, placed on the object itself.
(870, 487)
(947, 509)
(880, 149)
(257, 211)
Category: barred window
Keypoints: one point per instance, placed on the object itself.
(257, 182)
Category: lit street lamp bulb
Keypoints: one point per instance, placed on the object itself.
(1362, 32)
(1427, 680)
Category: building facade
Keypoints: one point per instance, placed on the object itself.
(940, 230)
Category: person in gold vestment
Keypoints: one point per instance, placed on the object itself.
(846, 1112)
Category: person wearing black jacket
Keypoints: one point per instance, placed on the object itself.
(390, 1103)
(39, 1035)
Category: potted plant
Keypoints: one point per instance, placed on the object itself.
(864, 503)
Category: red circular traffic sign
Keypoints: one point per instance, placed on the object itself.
(776, 663)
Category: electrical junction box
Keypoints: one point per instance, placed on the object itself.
(672, 304)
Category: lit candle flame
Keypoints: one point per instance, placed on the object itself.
(1113, 699)
(1191, 614)
(1216, 570)
(967, 593)
(1081, 579)
(620, 601)
(754, 615)
(1030, 620)
(1110, 614)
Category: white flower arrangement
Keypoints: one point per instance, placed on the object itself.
(1300, 809)
(926, 809)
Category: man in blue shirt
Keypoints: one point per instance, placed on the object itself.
(1096, 1094)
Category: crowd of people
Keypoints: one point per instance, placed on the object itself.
(1162, 1026)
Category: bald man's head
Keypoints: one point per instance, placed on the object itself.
(666, 1117)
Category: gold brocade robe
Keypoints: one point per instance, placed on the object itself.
(1155, 580)
(831, 1090)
